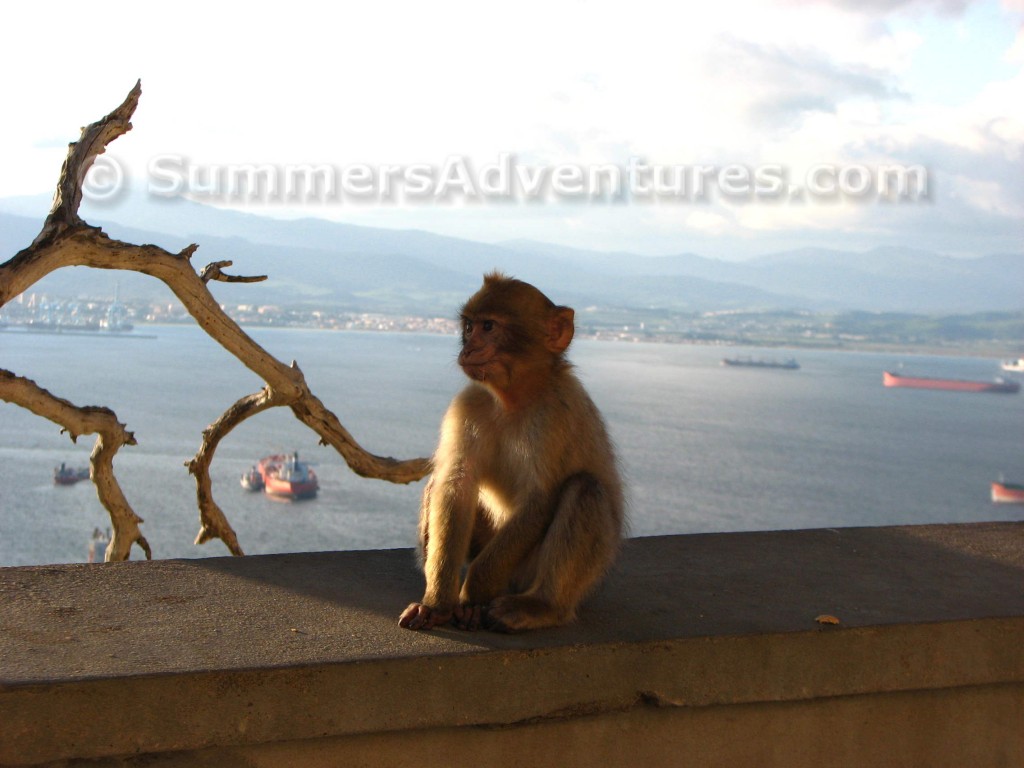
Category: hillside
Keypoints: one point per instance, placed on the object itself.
(314, 261)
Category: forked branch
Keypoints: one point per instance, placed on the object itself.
(66, 240)
(110, 436)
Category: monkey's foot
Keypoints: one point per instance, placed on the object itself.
(469, 616)
(517, 613)
(420, 616)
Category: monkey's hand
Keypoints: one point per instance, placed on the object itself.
(420, 616)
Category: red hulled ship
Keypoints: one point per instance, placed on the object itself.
(890, 379)
(283, 476)
(1007, 493)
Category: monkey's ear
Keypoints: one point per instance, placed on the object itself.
(560, 329)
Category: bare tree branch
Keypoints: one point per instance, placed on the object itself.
(213, 272)
(214, 523)
(66, 240)
(92, 142)
(111, 435)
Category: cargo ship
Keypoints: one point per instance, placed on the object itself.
(282, 476)
(65, 475)
(1007, 493)
(890, 379)
(747, 362)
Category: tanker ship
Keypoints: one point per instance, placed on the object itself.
(890, 379)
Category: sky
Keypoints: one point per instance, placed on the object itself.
(729, 129)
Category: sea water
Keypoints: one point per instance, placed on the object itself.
(703, 447)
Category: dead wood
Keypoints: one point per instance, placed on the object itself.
(110, 436)
(66, 240)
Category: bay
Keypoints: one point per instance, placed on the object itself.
(703, 447)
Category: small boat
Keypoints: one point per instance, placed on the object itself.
(748, 362)
(1013, 366)
(65, 475)
(1007, 493)
(98, 545)
(890, 379)
(252, 480)
(285, 477)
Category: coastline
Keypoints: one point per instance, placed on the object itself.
(994, 348)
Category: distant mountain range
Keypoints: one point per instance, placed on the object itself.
(315, 261)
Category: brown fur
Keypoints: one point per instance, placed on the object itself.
(525, 492)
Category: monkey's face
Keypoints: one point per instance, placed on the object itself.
(483, 341)
(513, 338)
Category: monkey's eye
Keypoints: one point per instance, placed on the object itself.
(488, 326)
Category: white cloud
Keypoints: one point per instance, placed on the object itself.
(738, 82)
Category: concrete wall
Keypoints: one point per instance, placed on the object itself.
(700, 650)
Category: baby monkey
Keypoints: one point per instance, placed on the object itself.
(525, 492)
